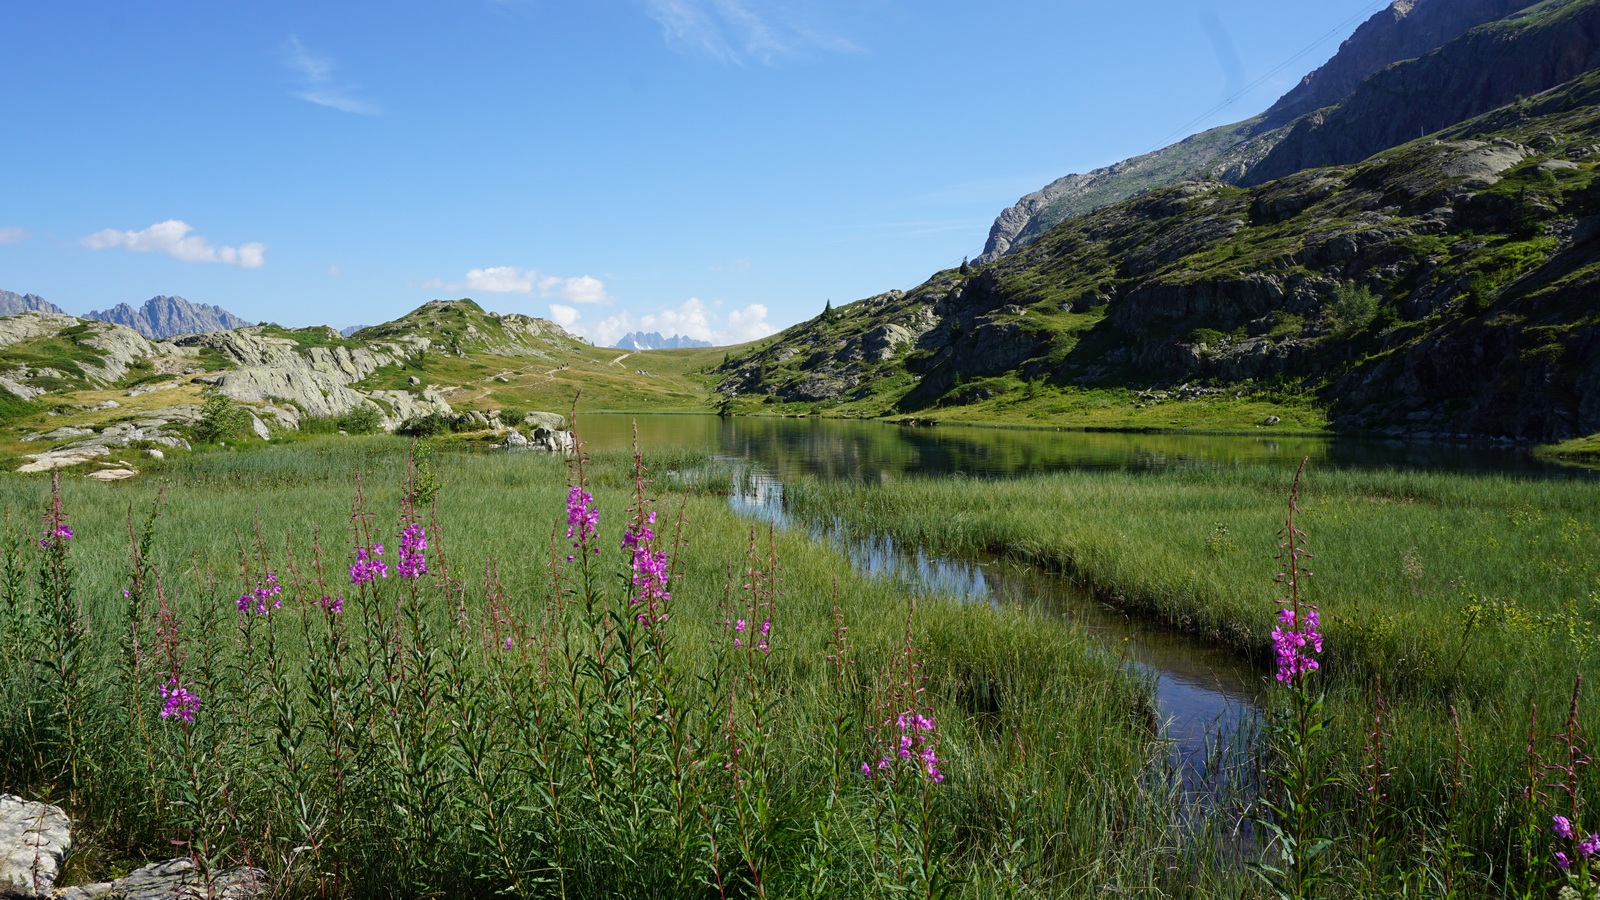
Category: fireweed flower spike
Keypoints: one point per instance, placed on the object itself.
(413, 562)
(177, 701)
(369, 565)
(649, 571)
(267, 589)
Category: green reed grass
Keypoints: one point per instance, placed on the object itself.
(1476, 593)
(399, 748)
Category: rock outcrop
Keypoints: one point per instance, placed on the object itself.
(33, 839)
(165, 317)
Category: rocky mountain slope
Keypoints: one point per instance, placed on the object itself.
(11, 304)
(164, 317)
(1442, 287)
(652, 340)
(1248, 151)
(76, 392)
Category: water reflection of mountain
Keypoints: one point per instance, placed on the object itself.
(875, 451)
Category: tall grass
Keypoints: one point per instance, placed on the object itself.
(1470, 599)
(671, 704)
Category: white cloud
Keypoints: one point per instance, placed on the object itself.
(316, 81)
(501, 280)
(734, 30)
(173, 238)
(582, 289)
(565, 316)
(13, 235)
(517, 280)
(748, 324)
(692, 318)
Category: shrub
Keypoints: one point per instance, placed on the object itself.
(364, 419)
(220, 420)
(1352, 310)
(423, 426)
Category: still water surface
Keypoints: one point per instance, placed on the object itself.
(1203, 694)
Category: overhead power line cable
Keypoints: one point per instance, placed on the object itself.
(1183, 130)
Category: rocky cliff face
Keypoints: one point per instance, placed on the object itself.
(1405, 30)
(11, 304)
(1489, 67)
(1442, 288)
(164, 317)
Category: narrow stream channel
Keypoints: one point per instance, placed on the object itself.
(1203, 695)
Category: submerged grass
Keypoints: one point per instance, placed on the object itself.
(515, 723)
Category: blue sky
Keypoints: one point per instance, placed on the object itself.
(719, 168)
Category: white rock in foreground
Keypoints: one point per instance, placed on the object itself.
(33, 838)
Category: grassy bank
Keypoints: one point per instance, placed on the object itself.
(1452, 591)
(512, 722)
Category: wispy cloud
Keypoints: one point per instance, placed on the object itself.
(174, 238)
(691, 318)
(13, 235)
(317, 85)
(738, 30)
(517, 280)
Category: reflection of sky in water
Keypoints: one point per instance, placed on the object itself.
(1200, 693)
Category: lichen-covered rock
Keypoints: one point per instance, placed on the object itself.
(551, 421)
(33, 838)
(63, 458)
(175, 879)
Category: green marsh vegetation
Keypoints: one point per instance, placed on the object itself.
(211, 663)
(1457, 610)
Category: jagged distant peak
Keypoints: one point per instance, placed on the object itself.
(163, 317)
(12, 304)
(652, 340)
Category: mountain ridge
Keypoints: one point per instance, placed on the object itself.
(163, 317)
(652, 340)
(1404, 30)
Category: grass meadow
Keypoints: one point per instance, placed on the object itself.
(210, 665)
(678, 703)
(1458, 613)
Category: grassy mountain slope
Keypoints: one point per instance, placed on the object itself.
(1440, 287)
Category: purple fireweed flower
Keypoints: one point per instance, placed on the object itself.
(334, 604)
(55, 533)
(266, 589)
(369, 565)
(914, 739)
(1562, 827)
(413, 563)
(178, 701)
(1295, 645)
(582, 516)
(1562, 861)
(1589, 846)
(650, 572)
